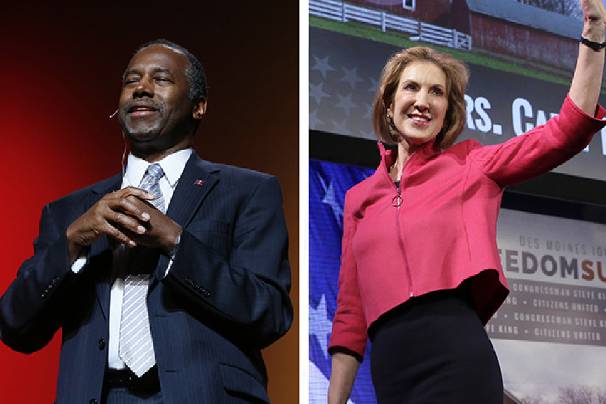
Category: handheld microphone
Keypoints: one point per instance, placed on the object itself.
(114, 114)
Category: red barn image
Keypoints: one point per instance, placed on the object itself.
(506, 28)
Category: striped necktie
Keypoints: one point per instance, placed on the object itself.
(136, 344)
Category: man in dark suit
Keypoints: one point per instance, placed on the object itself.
(168, 279)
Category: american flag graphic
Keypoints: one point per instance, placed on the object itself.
(328, 183)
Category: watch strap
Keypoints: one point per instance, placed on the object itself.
(596, 46)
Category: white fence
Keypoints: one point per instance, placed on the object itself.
(419, 31)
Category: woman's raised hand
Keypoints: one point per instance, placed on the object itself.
(594, 16)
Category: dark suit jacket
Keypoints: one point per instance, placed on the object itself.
(224, 299)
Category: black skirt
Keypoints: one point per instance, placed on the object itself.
(433, 349)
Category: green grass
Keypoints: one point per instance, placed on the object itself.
(368, 32)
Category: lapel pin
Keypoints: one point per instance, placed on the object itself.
(199, 182)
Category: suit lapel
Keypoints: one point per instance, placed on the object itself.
(100, 254)
(198, 179)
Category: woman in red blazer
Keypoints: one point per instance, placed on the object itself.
(420, 273)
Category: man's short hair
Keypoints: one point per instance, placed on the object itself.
(196, 77)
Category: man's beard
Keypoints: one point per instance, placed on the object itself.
(140, 133)
(142, 129)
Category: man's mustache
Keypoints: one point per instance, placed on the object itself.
(132, 105)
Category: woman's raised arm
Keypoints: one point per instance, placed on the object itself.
(587, 79)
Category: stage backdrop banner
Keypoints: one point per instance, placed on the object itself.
(550, 335)
(343, 80)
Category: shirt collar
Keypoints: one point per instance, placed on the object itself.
(389, 153)
(172, 165)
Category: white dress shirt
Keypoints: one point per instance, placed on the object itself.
(172, 166)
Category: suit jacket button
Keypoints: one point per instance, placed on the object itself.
(101, 344)
(92, 401)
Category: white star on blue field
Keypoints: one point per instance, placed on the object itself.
(345, 103)
(322, 65)
(351, 77)
(316, 92)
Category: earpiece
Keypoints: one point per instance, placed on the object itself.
(114, 114)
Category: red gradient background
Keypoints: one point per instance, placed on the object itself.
(61, 70)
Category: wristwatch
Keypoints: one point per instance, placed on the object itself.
(596, 46)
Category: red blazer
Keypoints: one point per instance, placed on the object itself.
(444, 229)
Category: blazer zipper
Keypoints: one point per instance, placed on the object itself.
(396, 202)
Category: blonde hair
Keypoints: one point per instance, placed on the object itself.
(457, 76)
